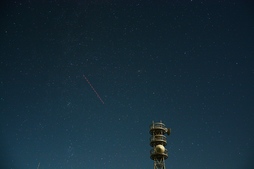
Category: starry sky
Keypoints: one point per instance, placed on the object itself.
(81, 82)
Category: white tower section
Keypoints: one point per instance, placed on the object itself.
(158, 142)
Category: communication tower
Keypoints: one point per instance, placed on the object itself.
(158, 142)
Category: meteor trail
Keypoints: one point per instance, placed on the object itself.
(38, 165)
(93, 89)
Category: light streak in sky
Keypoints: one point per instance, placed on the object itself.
(93, 89)
(38, 165)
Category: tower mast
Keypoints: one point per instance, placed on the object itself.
(158, 142)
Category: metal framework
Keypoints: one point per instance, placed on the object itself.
(158, 142)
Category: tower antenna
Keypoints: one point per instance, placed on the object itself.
(158, 142)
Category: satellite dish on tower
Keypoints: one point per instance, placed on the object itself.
(168, 131)
(160, 149)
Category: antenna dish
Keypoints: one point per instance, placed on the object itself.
(160, 149)
(168, 131)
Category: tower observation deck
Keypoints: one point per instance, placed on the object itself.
(158, 142)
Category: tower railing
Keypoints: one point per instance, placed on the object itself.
(154, 154)
(157, 125)
(158, 139)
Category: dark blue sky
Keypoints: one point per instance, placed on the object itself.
(187, 63)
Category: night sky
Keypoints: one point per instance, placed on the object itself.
(81, 82)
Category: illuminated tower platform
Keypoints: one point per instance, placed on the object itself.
(158, 142)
